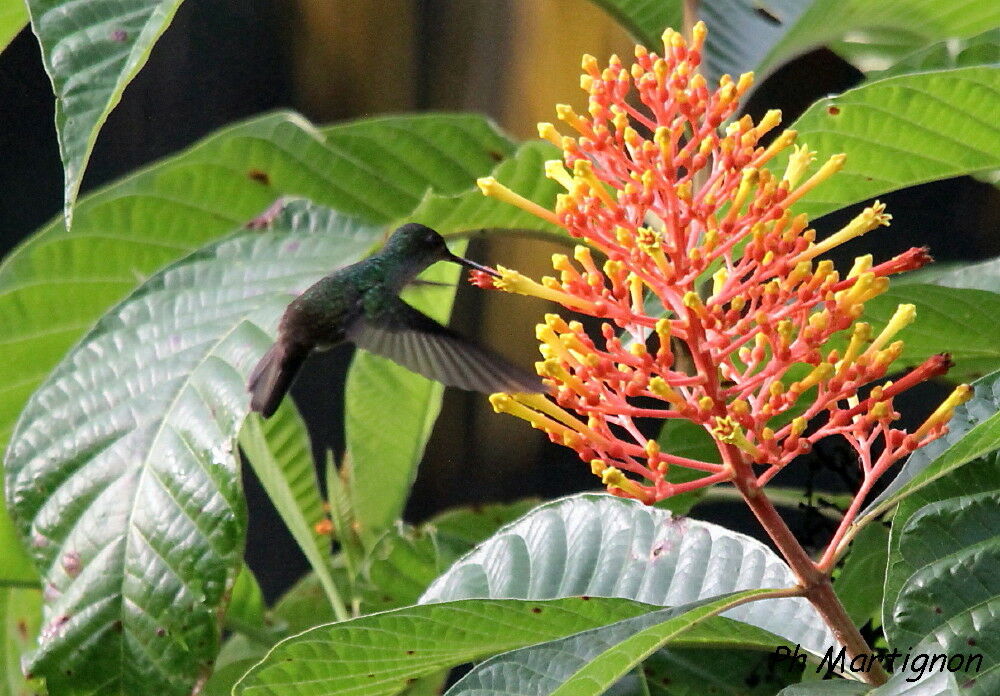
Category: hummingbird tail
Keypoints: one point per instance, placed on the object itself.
(271, 379)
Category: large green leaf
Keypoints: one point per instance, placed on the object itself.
(390, 411)
(122, 473)
(983, 475)
(741, 33)
(441, 153)
(406, 559)
(974, 431)
(91, 51)
(944, 313)
(902, 131)
(600, 545)
(461, 528)
(953, 596)
(982, 49)
(590, 662)
(13, 17)
(126, 231)
(984, 275)
(918, 22)
(378, 654)
(761, 36)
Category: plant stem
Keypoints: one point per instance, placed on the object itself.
(815, 583)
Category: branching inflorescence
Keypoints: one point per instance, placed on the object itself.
(692, 217)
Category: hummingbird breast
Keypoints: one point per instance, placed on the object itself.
(322, 315)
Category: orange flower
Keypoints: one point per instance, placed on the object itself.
(703, 254)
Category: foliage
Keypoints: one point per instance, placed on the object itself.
(130, 322)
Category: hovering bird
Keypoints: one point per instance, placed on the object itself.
(360, 303)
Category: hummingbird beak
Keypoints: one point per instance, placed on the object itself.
(473, 265)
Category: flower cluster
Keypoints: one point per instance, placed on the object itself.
(704, 259)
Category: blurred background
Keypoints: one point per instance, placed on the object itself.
(341, 59)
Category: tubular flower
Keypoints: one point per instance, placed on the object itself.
(704, 260)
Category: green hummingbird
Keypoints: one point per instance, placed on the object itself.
(360, 303)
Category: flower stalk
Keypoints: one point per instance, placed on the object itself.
(676, 194)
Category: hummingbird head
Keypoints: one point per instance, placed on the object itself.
(423, 246)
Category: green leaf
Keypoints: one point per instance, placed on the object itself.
(942, 314)
(740, 34)
(982, 49)
(378, 654)
(983, 475)
(443, 153)
(20, 617)
(835, 687)
(122, 472)
(973, 431)
(675, 671)
(761, 36)
(953, 596)
(13, 17)
(472, 210)
(290, 450)
(900, 132)
(913, 24)
(984, 275)
(406, 559)
(389, 413)
(644, 19)
(91, 52)
(246, 603)
(588, 663)
(278, 479)
(599, 545)
(303, 606)
(899, 684)
(858, 584)
(462, 528)
(401, 565)
(126, 231)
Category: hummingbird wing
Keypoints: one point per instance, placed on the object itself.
(418, 343)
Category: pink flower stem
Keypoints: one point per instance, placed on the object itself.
(830, 555)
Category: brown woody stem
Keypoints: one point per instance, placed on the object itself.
(815, 583)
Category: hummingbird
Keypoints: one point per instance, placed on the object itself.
(360, 304)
